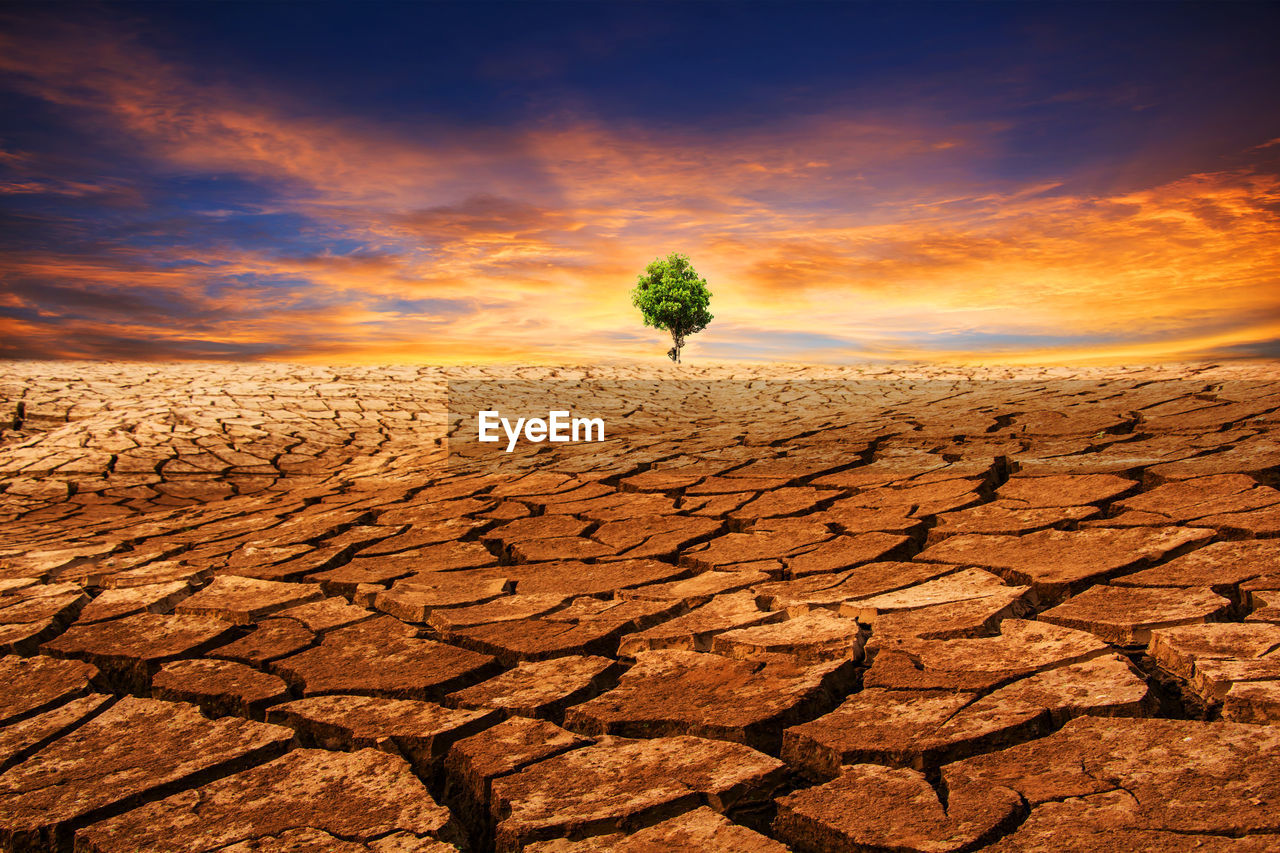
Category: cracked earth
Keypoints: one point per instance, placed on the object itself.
(264, 608)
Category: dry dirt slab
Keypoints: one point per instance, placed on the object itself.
(282, 608)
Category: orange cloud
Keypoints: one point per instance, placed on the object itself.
(874, 230)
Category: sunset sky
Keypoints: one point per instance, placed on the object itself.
(441, 182)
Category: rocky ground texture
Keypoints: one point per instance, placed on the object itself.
(264, 608)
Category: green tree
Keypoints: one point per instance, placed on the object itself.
(670, 296)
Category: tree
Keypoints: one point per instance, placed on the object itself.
(670, 296)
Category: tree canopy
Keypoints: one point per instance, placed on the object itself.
(672, 297)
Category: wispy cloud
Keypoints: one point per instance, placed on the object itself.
(835, 236)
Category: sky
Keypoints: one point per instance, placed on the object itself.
(483, 182)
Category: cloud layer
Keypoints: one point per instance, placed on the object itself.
(179, 213)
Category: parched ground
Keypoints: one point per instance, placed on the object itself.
(263, 608)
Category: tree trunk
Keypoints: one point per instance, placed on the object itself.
(678, 341)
